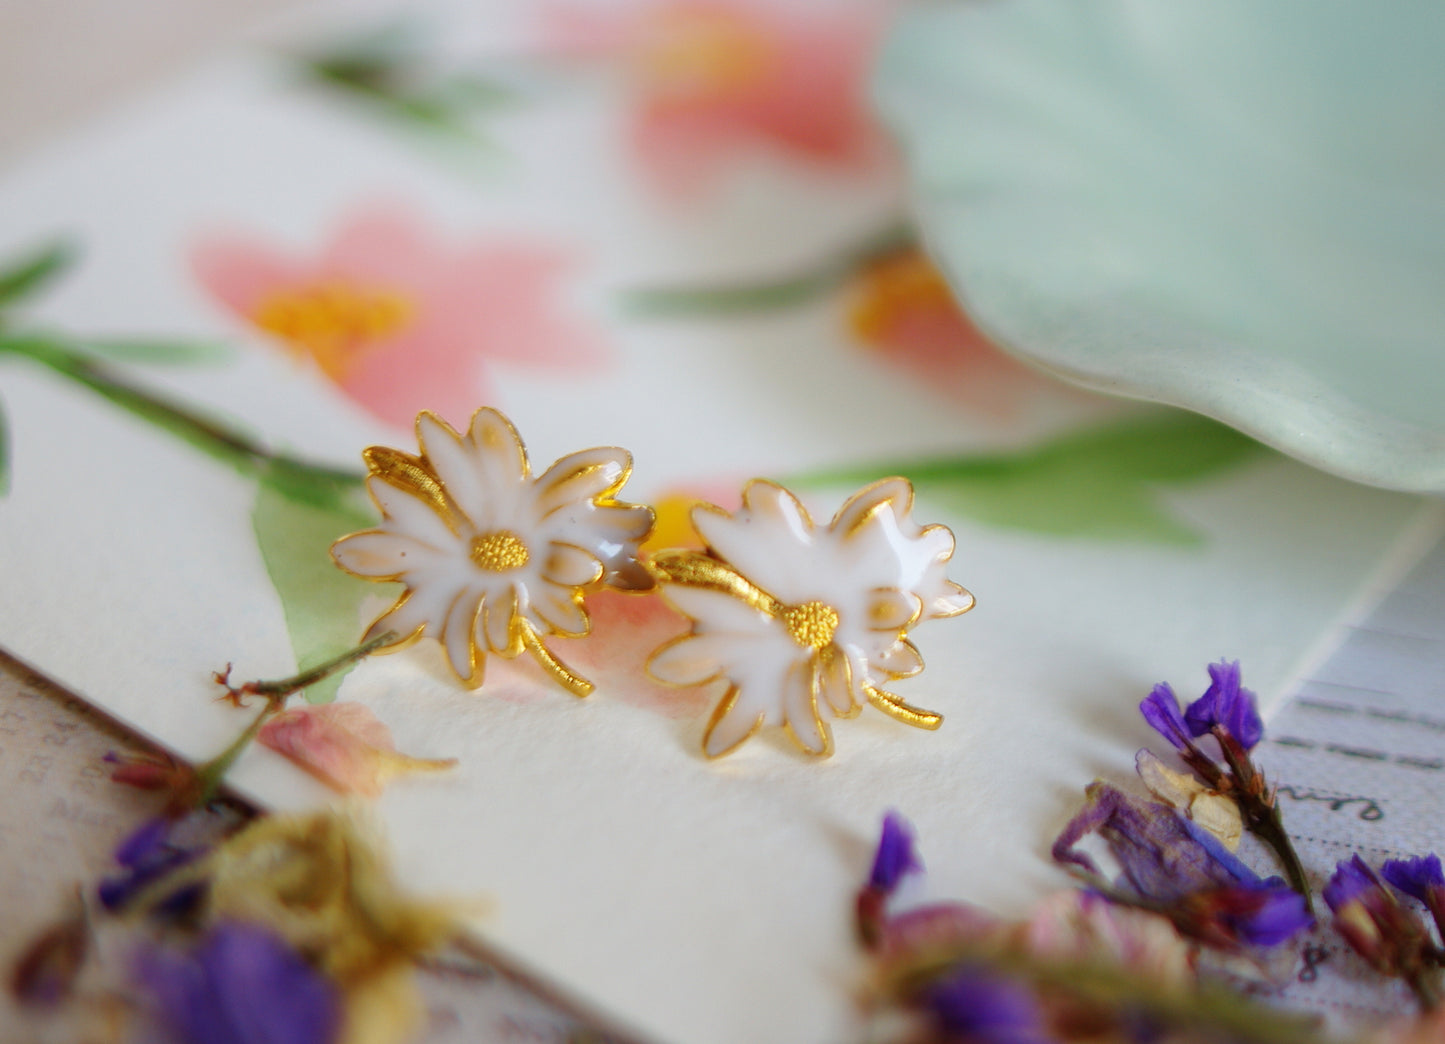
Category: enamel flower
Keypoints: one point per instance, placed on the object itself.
(805, 623)
(494, 560)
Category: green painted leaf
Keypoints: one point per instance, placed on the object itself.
(392, 72)
(1101, 483)
(321, 603)
(32, 273)
(159, 353)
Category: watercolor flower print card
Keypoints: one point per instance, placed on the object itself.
(672, 229)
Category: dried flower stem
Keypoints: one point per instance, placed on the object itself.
(1208, 1011)
(1261, 812)
(1246, 785)
(1424, 983)
(276, 693)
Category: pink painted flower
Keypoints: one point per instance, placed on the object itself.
(343, 744)
(400, 320)
(712, 78)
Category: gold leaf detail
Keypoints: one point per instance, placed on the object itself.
(412, 474)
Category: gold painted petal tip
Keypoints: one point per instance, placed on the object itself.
(891, 610)
(900, 660)
(568, 565)
(496, 438)
(953, 602)
(727, 729)
(562, 611)
(686, 660)
(587, 475)
(862, 509)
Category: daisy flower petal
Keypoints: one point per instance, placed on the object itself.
(800, 707)
(493, 560)
(583, 476)
(570, 566)
(382, 556)
(805, 623)
(730, 727)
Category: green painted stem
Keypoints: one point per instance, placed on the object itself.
(226, 444)
(770, 295)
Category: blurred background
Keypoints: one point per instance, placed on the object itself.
(65, 60)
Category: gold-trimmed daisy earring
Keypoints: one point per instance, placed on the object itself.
(495, 561)
(804, 623)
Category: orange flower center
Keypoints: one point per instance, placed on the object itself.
(334, 322)
(896, 291)
(811, 624)
(691, 53)
(499, 551)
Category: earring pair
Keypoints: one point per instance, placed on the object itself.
(801, 623)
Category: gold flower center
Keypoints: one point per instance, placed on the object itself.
(334, 321)
(499, 551)
(811, 624)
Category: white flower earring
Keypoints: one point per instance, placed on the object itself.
(493, 560)
(805, 623)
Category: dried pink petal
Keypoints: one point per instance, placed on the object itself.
(1083, 927)
(344, 745)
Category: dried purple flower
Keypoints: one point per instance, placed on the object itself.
(1264, 914)
(1227, 711)
(147, 855)
(1418, 877)
(1391, 938)
(241, 985)
(1351, 881)
(894, 858)
(1225, 704)
(1161, 710)
(1422, 878)
(984, 1007)
(1176, 868)
(1160, 853)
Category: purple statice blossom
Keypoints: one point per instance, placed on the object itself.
(1161, 855)
(896, 855)
(1263, 914)
(241, 985)
(1228, 705)
(1175, 867)
(983, 1007)
(1391, 938)
(1352, 881)
(146, 856)
(1161, 710)
(1420, 877)
(1227, 712)
(893, 860)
